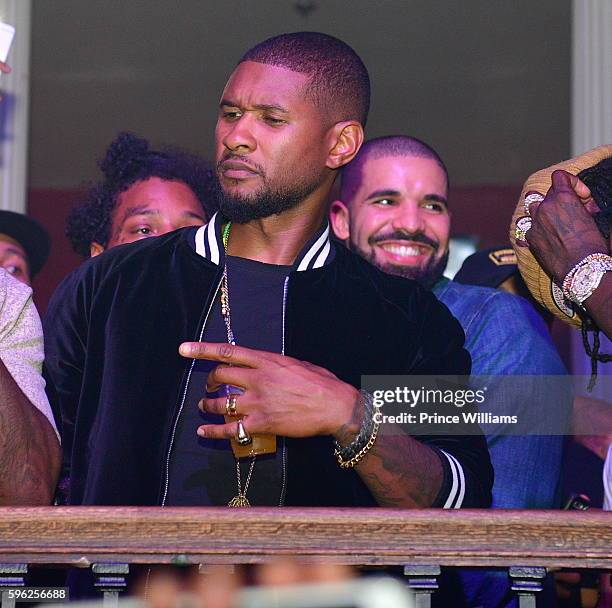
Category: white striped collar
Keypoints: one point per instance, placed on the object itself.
(317, 252)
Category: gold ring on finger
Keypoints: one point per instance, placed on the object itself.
(230, 405)
(242, 435)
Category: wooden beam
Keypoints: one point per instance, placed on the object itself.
(84, 535)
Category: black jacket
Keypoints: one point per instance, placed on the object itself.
(115, 378)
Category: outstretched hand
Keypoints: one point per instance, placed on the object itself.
(282, 395)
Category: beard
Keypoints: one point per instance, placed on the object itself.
(426, 275)
(268, 200)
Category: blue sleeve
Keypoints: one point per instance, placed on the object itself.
(508, 337)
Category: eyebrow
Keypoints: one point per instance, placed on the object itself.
(13, 251)
(145, 210)
(387, 192)
(378, 193)
(259, 106)
(437, 198)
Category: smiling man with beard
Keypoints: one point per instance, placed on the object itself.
(395, 208)
(394, 212)
(262, 306)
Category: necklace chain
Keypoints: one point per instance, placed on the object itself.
(225, 305)
(241, 499)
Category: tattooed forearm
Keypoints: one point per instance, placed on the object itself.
(29, 450)
(399, 470)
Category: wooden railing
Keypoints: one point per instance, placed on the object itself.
(83, 536)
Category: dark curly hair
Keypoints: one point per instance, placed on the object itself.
(128, 160)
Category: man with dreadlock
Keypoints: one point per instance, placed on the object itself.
(570, 237)
(560, 231)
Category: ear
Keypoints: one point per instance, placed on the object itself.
(95, 249)
(345, 139)
(339, 220)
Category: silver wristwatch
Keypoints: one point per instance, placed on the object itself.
(586, 277)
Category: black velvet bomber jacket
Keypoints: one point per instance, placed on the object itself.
(116, 381)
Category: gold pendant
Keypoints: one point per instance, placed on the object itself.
(239, 501)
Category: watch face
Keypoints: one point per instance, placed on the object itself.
(585, 281)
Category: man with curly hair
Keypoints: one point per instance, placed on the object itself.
(144, 193)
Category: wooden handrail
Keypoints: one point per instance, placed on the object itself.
(84, 535)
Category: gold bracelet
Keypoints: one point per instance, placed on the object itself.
(345, 464)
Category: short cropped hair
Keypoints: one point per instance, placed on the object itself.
(128, 160)
(339, 81)
(384, 147)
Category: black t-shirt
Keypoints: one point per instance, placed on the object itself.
(203, 471)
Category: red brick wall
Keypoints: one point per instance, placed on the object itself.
(484, 211)
(50, 208)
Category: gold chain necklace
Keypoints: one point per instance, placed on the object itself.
(240, 500)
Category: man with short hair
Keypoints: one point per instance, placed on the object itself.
(393, 211)
(386, 172)
(263, 306)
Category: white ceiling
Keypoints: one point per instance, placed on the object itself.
(486, 82)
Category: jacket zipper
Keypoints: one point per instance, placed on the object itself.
(178, 416)
(180, 411)
(281, 501)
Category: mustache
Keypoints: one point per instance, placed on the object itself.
(414, 237)
(241, 159)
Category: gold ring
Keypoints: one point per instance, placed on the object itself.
(242, 436)
(230, 405)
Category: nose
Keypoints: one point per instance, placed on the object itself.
(237, 136)
(408, 217)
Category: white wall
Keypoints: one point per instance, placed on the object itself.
(591, 125)
(14, 108)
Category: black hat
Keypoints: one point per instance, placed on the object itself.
(488, 267)
(30, 235)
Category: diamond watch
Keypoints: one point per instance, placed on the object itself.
(584, 278)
